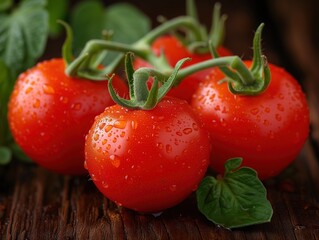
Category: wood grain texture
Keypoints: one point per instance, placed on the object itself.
(36, 204)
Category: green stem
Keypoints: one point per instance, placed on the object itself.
(141, 48)
(233, 61)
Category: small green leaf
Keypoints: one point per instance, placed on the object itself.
(23, 35)
(237, 200)
(5, 4)
(5, 155)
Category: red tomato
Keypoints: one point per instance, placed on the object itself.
(147, 160)
(267, 130)
(50, 114)
(174, 51)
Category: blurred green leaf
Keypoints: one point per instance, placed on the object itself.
(5, 4)
(57, 11)
(6, 85)
(90, 18)
(23, 35)
(5, 155)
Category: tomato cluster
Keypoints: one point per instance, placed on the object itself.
(151, 160)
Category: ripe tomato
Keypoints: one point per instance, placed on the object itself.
(144, 159)
(50, 114)
(267, 130)
(174, 51)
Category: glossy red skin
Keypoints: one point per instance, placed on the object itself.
(174, 51)
(50, 114)
(267, 130)
(149, 160)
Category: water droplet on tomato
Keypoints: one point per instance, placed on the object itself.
(108, 128)
(169, 148)
(96, 137)
(278, 117)
(195, 126)
(254, 111)
(64, 99)
(120, 124)
(102, 125)
(93, 177)
(47, 89)
(104, 141)
(266, 122)
(173, 188)
(134, 125)
(86, 165)
(28, 90)
(115, 160)
(36, 103)
(267, 109)
(280, 107)
(168, 129)
(104, 184)
(159, 145)
(76, 106)
(178, 133)
(187, 131)
(122, 134)
(114, 140)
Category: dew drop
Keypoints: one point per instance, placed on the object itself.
(64, 99)
(108, 128)
(104, 141)
(93, 177)
(85, 165)
(76, 106)
(122, 134)
(134, 124)
(120, 124)
(169, 148)
(36, 103)
(28, 90)
(266, 122)
(96, 137)
(115, 160)
(195, 126)
(254, 111)
(278, 117)
(267, 109)
(104, 184)
(187, 131)
(173, 188)
(102, 125)
(280, 107)
(47, 89)
(159, 145)
(179, 133)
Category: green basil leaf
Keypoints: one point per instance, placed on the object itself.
(5, 155)
(23, 35)
(57, 11)
(5, 4)
(238, 199)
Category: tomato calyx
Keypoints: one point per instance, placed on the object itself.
(215, 35)
(246, 81)
(140, 96)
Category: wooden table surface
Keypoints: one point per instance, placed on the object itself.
(37, 204)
